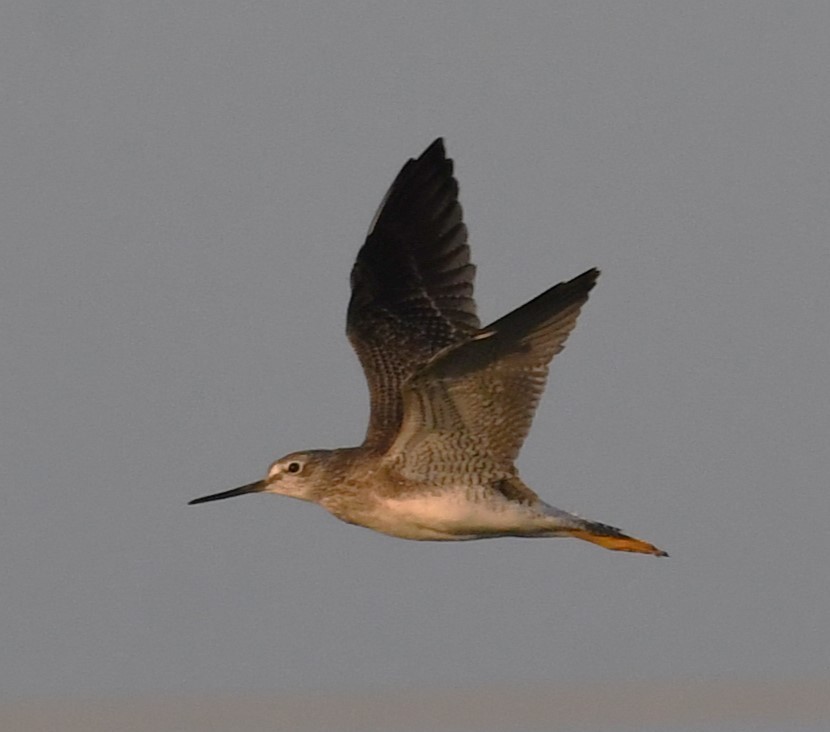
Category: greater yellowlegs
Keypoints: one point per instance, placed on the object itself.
(451, 402)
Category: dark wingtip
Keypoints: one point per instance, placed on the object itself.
(436, 149)
(590, 277)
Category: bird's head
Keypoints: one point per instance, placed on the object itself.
(296, 474)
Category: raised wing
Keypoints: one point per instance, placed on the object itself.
(412, 286)
(469, 410)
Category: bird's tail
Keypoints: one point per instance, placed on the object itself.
(569, 524)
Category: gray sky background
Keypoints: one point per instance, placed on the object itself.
(184, 187)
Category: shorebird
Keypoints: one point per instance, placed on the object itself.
(450, 402)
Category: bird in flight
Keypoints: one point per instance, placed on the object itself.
(451, 402)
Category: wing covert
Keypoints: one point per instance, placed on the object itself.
(469, 410)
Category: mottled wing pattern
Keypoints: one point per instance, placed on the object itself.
(412, 286)
(469, 410)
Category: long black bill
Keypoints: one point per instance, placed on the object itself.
(257, 487)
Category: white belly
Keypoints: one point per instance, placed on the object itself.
(453, 516)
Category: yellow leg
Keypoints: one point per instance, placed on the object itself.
(617, 542)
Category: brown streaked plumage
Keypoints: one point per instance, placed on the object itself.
(450, 402)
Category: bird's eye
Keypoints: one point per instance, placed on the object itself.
(294, 467)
